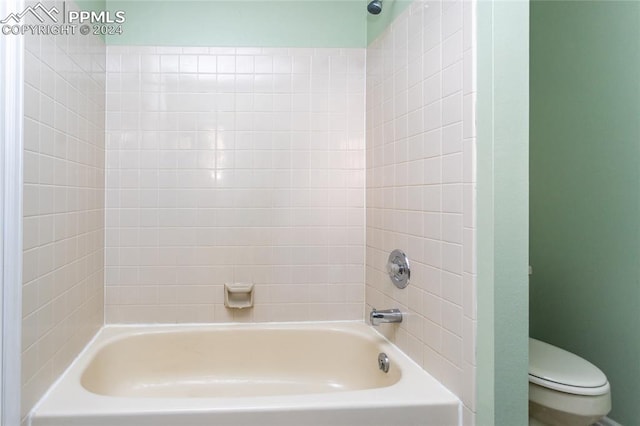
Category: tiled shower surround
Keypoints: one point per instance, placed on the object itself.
(63, 208)
(234, 165)
(251, 165)
(421, 186)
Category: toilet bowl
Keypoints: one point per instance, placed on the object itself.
(564, 389)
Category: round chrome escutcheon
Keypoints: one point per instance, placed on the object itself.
(398, 268)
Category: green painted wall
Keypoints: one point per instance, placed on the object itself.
(233, 23)
(95, 5)
(376, 24)
(585, 187)
(266, 23)
(503, 183)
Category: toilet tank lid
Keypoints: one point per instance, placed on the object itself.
(550, 363)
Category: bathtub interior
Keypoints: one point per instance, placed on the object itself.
(235, 362)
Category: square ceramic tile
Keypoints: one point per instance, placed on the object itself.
(438, 169)
(238, 172)
(63, 278)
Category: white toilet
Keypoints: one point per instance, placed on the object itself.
(564, 389)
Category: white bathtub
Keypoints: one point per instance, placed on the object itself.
(323, 374)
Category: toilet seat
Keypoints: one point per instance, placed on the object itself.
(563, 371)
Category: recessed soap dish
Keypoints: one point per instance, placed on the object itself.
(238, 295)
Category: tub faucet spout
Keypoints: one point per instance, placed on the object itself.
(388, 315)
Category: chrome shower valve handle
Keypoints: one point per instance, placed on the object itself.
(398, 268)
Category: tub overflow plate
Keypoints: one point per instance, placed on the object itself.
(383, 362)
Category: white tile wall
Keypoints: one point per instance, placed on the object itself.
(63, 239)
(420, 160)
(234, 165)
